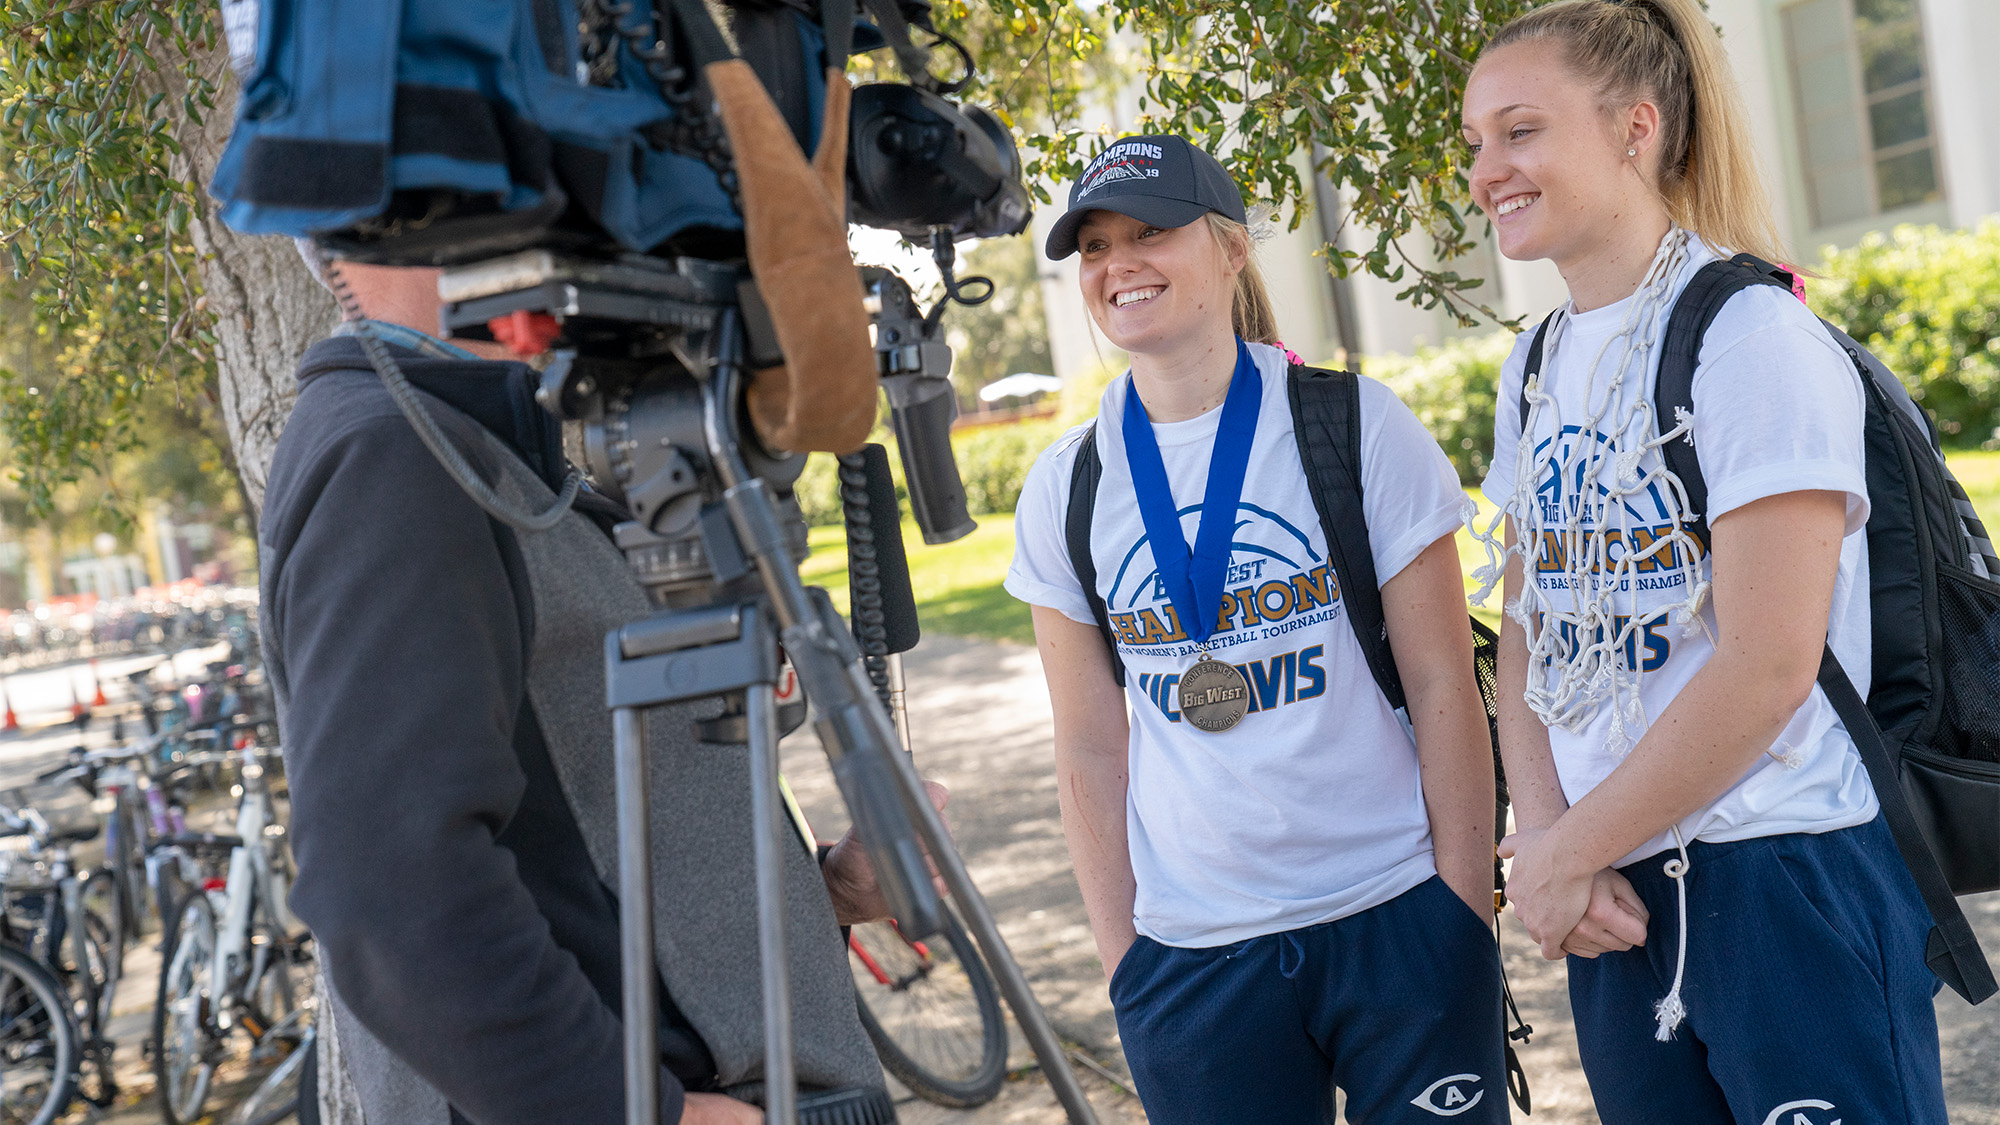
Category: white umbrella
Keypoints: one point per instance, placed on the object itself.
(1021, 384)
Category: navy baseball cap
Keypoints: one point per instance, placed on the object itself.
(1162, 180)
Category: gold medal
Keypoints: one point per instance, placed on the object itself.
(1213, 696)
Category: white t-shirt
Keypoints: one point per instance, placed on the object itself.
(1777, 408)
(1310, 809)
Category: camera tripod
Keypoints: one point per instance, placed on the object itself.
(719, 547)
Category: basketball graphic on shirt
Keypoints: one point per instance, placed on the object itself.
(1276, 581)
(1639, 523)
(1558, 493)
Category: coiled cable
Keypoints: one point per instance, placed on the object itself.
(864, 577)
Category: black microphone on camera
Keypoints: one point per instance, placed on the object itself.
(892, 566)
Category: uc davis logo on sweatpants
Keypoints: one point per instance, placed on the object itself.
(1797, 1118)
(1447, 1097)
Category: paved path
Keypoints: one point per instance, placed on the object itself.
(42, 697)
(981, 723)
(980, 717)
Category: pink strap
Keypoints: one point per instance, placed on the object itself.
(1798, 280)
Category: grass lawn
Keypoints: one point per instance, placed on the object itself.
(958, 585)
(1979, 472)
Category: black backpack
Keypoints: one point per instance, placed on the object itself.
(1929, 733)
(1326, 417)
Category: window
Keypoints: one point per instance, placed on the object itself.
(1863, 106)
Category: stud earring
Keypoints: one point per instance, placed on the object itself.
(1631, 152)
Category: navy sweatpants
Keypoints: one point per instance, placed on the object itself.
(1807, 995)
(1399, 1005)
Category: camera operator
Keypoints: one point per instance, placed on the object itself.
(448, 753)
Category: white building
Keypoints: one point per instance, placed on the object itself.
(1868, 113)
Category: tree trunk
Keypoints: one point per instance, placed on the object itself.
(267, 306)
(268, 309)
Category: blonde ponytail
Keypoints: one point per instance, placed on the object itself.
(1250, 309)
(1666, 52)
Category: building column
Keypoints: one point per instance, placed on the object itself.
(1960, 38)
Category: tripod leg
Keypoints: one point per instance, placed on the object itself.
(772, 831)
(635, 919)
(1006, 971)
(978, 916)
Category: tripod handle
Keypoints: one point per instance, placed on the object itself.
(869, 786)
(921, 409)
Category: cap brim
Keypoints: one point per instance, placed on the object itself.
(1152, 209)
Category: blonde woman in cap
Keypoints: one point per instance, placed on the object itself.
(1293, 888)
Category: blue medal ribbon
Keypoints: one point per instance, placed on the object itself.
(1194, 581)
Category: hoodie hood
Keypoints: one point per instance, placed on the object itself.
(498, 394)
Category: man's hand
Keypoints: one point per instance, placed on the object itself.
(850, 878)
(1548, 899)
(1615, 920)
(714, 1109)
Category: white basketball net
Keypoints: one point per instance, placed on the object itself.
(1582, 633)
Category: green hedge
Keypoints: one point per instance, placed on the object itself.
(1451, 390)
(1927, 303)
(993, 461)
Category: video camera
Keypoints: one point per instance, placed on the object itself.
(584, 150)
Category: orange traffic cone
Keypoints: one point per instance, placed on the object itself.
(77, 712)
(13, 723)
(98, 699)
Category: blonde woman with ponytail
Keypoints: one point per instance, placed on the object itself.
(1694, 829)
(1289, 882)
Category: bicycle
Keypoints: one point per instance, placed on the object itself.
(932, 1011)
(145, 813)
(107, 777)
(931, 1008)
(39, 1053)
(49, 915)
(216, 978)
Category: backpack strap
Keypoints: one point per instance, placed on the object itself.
(1680, 353)
(1534, 366)
(1083, 478)
(1326, 417)
(1952, 951)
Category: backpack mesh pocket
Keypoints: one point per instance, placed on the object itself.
(1486, 669)
(1969, 610)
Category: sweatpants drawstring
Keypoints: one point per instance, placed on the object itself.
(1672, 1010)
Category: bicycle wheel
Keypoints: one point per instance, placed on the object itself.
(38, 1042)
(277, 1097)
(186, 1043)
(280, 991)
(103, 903)
(126, 867)
(932, 1011)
